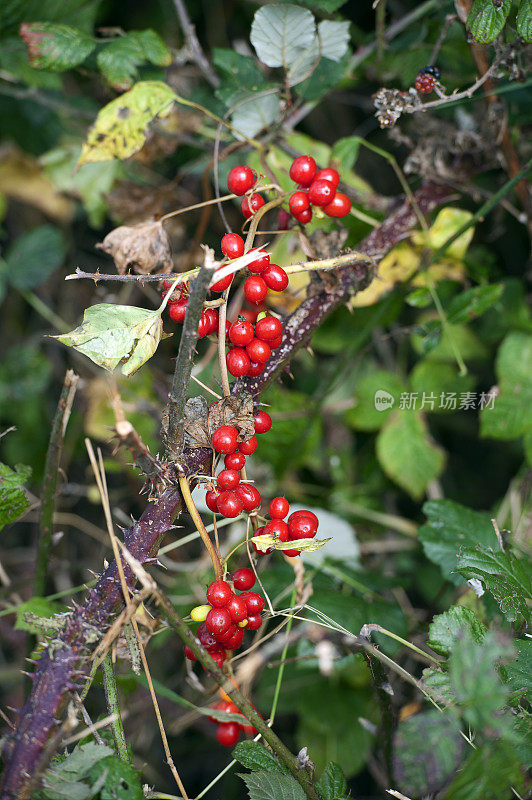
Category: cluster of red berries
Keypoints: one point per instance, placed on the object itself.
(226, 615)
(316, 187)
(228, 733)
(231, 497)
(300, 525)
(177, 308)
(426, 79)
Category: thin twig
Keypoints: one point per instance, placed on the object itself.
(194, 47)
(194, 513)
(53, 457)
(113, 707)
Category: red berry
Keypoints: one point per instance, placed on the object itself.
(228, 479)
(205, 637)
(237, 608)
(302, 528)
(340, 206)
(234, 642)
(275, 343)
(250, 205)
(304, 512)
(250, 315)
(241, 332)
(218, 621)
(232, 245)
(230, 505)
(283, 220)
(249, 496)
(219, 593)
(263, 422)
(218, 655)
(211, 499)
(260, 263)
(255, 288)
(222, 638)
(425, 83)
(328, 174)
(305, 217)
(268, 328)
(227, 733)
(292, 553)
(278, 508)
(277, 528)
(254, 622)
(222, 284)
(255, 368)
(303, 170)
(235, 461)
(203, 325)
(178, 310)
(224, 439)
(248, 447)
(275, 278)
(189, 654)
(212, 318)
(258, 350)
(254, 602)
(321, 192)
(298, 203)
(238, 362)
(241, 179)
(243, 579)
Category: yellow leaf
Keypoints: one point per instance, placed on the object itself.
(266, 542)
(448, 221)
(22, 177)
(396, 267)
(120, 127)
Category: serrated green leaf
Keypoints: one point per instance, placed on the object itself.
(13, 500)
(428, 749)
(253, 113)
(508, 578)
(281, 33)
(111, 335)
(66, 775)
(331, 42)
(524, 20)
(119, 780)
(34, 256)
(450, 528)
(488, 774)
(376, 395)
(519, 672)
(55, 47)
(486, 21)
(256, 757)
(439, 686)
(272, 786)
(407, 454)
(119, 59)
(473, 303)
(121, 125)
(332, 785)
(446, 629)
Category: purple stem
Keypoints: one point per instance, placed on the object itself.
(67, 658)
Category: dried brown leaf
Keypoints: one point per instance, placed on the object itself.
(144, 248)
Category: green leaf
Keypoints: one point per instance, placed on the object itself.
(272, 786)
(332, 785)
(255, 757)
(476, 684)
(325, 77)
(439, 386)
(346, 150)
(514, 362)
(328, 6)
(508, 416)
(121, 126)
(55, 47)
(524, 20)
(34, 256)
(509, 579)
(485, 21)
(450, 528)
(120, 781)
(39, 607)
(253, 114)
(281, 33)
(446, 629)
(331, 42)
(376, 395)
(488, 774)
(239, 70)
(439, 686)
(428, 749)
(120, 58)
(111, 335)
(519, 672)
(63, 778)
(13, 500)
(473, 303)
(407, 454)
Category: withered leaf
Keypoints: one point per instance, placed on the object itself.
(196, 424)
(233, 410)
(143, 247)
